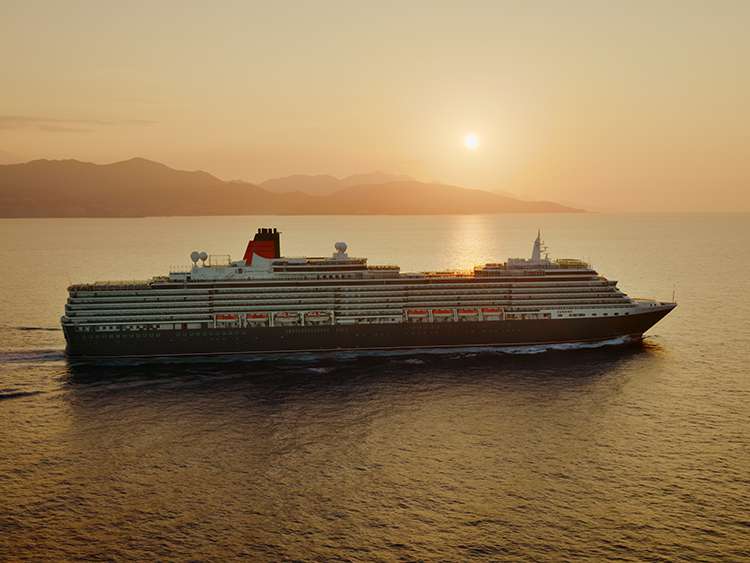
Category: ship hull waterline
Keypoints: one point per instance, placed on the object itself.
(358, 337)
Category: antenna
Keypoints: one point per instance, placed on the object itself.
(536, 252)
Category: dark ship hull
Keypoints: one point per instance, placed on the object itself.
(360, 337)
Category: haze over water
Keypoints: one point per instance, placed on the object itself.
(637, 452)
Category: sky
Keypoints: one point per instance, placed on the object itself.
(612, 106)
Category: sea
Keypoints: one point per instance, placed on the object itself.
(627, 452)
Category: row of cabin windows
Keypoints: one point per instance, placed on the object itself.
(379, 286)
(593, 314)
(125, 328)
(509, 316)
(296, 331)
(127, 335)
(373, 287)
(358, 293)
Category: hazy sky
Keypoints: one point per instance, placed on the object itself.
(608, 105)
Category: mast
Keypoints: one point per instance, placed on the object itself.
(536, 253)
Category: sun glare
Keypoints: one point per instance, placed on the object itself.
(471, 141)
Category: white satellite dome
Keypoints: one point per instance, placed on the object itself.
(203, 256)
(340, 247)
(195, 255)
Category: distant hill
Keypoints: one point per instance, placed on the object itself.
(417, 198)
(140, 187)
(324, 184)
(135, 187)
(321, 184)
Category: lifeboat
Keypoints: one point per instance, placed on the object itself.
(226, 317)
(257, 319)
(468, 312)
(442, 314)
(492, 310)
(286, 318)
(417, 315)
(416, 312)
(492, 313)
(318, 317)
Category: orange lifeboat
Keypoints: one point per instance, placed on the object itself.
(416, 312)
(226, 317)
(492, 310)
(492, 313)
(442, 312)
(468, 312)
(256, 316)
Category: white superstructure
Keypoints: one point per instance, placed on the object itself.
(265, 289)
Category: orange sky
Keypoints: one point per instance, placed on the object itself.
(634, 106)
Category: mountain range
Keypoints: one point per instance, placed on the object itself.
(325, 184)
(140, 187)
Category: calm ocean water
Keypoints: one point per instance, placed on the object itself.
(638, 452)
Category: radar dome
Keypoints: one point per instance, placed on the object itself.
(203, 256)
(340, 247)
(195, 255)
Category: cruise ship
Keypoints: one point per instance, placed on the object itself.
(267, 303)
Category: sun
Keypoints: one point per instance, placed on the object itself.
(471, 141)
